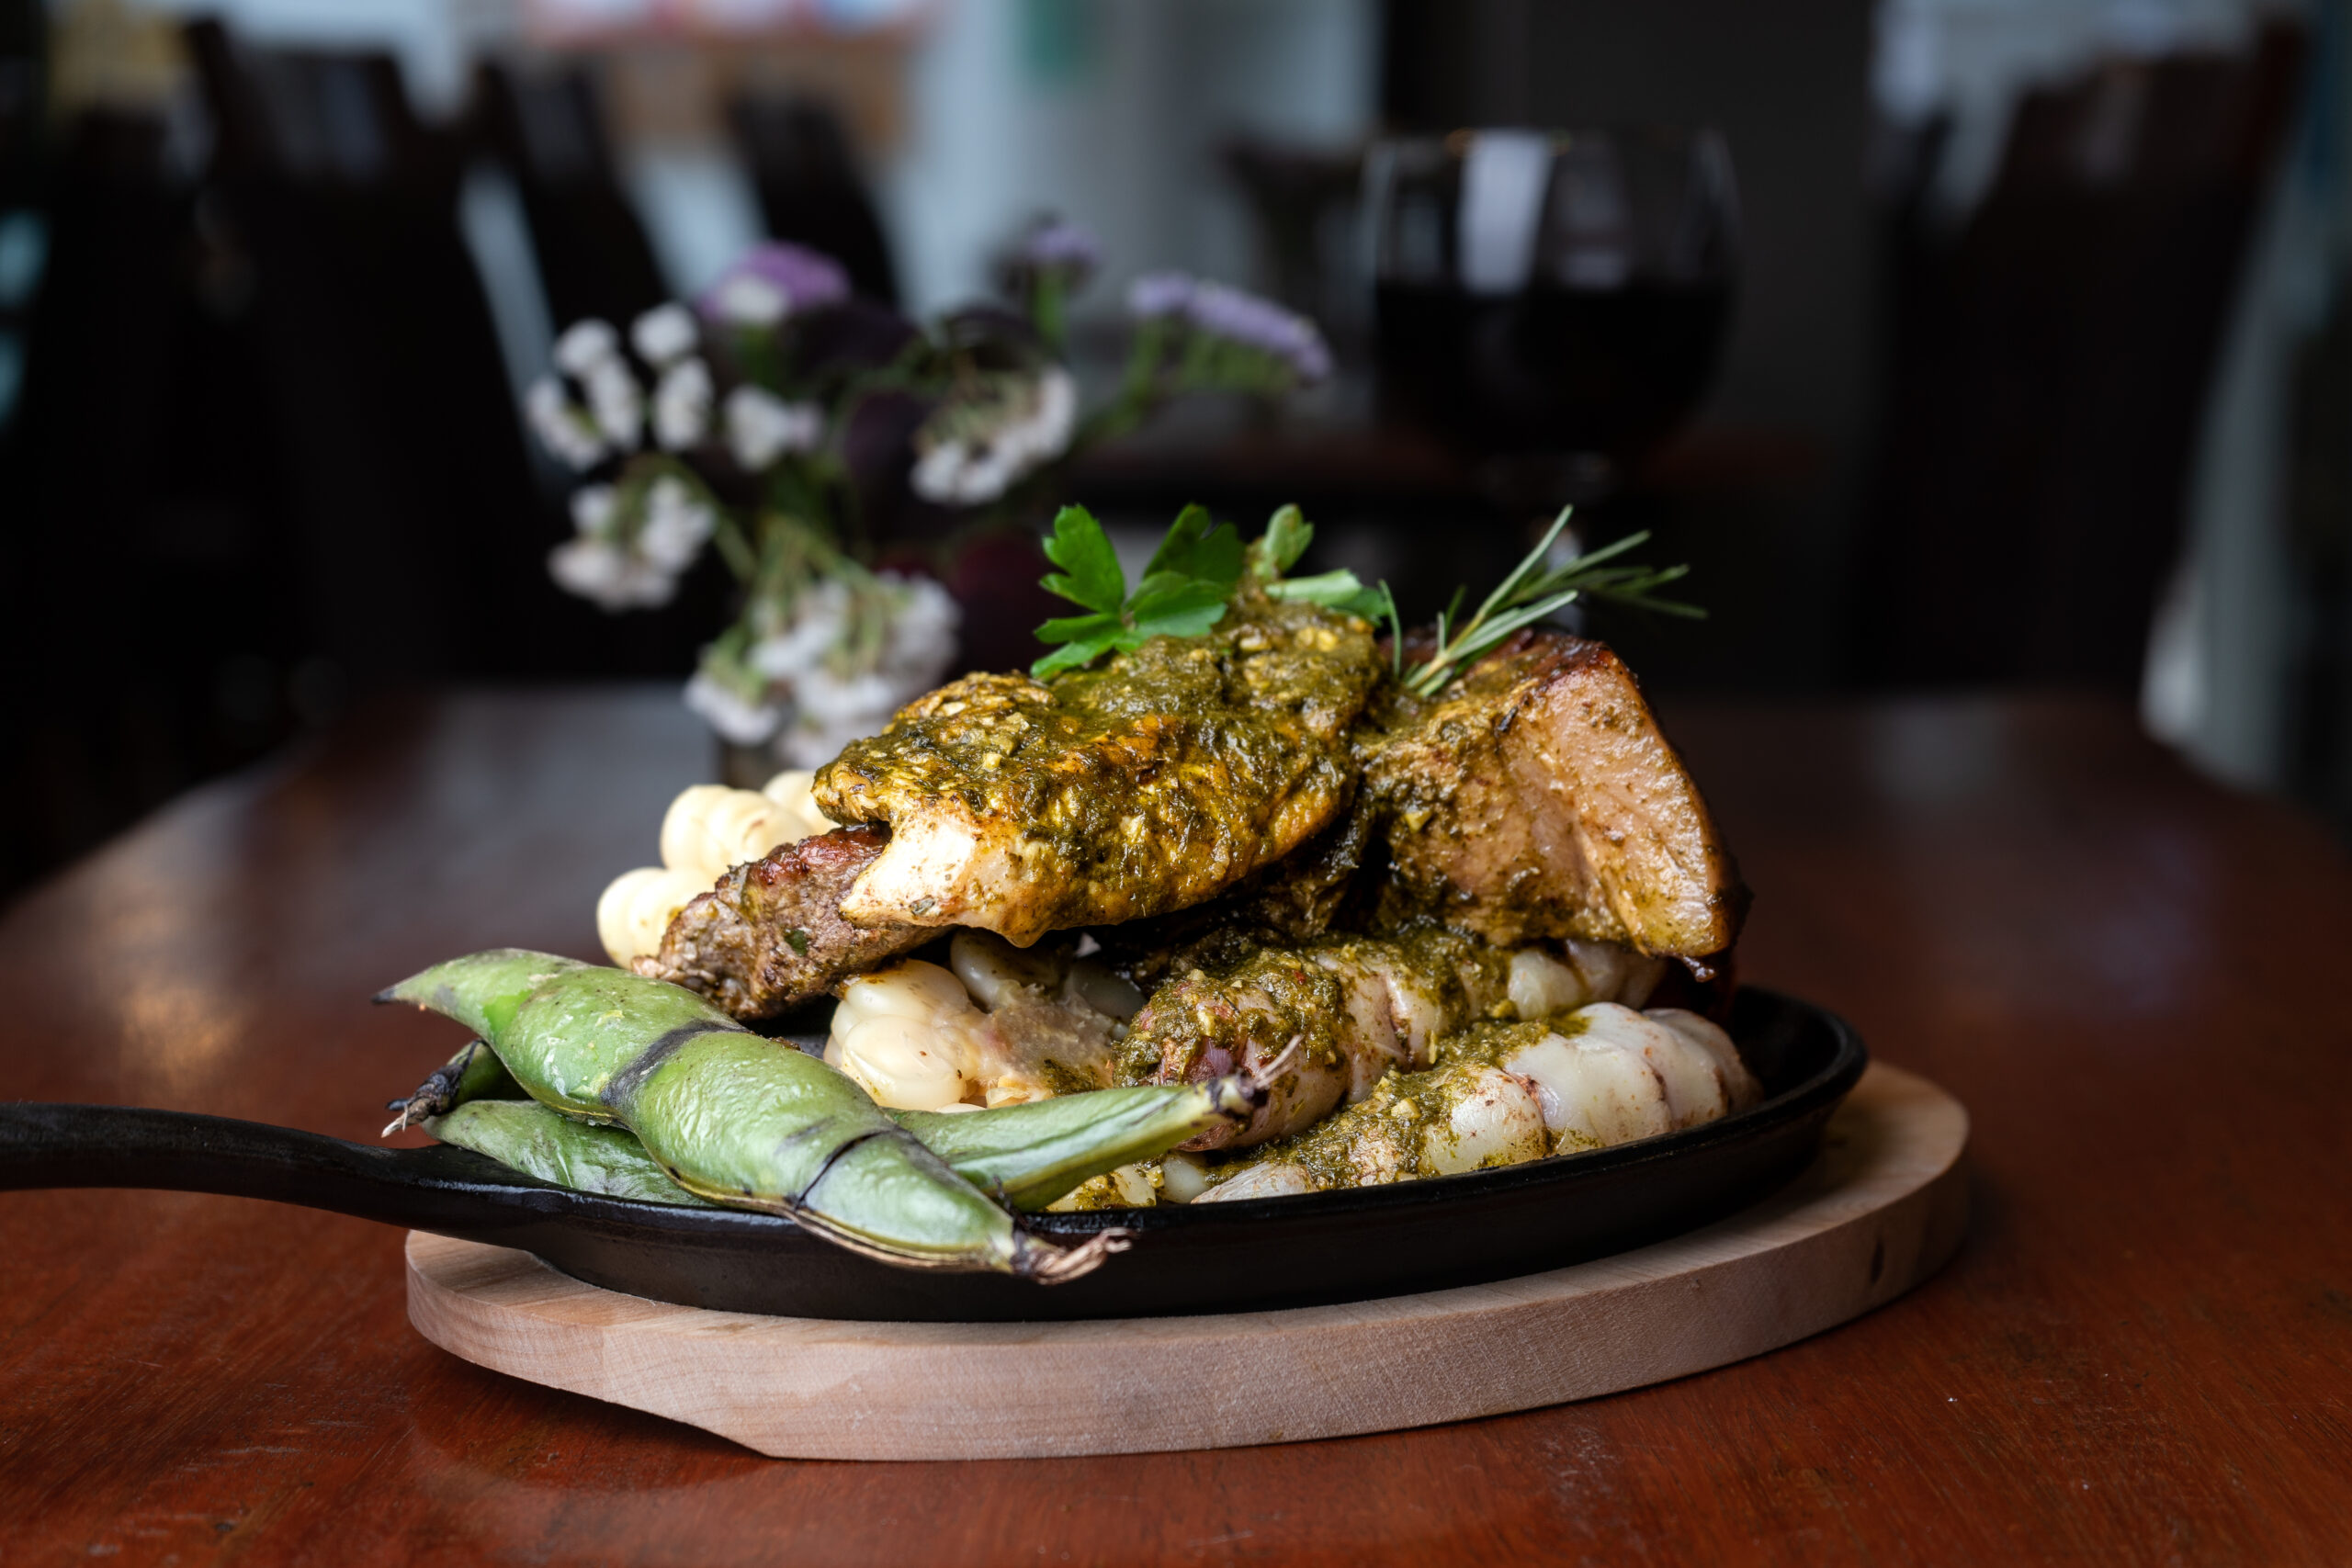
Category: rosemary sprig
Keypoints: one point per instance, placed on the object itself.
(1531, 593)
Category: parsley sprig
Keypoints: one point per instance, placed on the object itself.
(1183, 593)
(1285, 539)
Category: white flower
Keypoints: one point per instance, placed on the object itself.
(618, 402)
(818, 617)
(952, 474)
(586, 345)
(563, 428)
(677, 524)
(832, 708)
(738, 719)
(750, 301)
(922, 644)
(609, 576)
(835, 702)
(762, 427)
(938, 473)
(681, 404)
(978, 463)
(1044, 436)
(957, 473)
(592, 510)
(663, 334)
(832, 712)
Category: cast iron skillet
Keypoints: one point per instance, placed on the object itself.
(1268, 1252)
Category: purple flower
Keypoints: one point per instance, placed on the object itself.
(1160, 294)
(1061, 245)
(1237, 318)
(1261, 324)
(771, 281)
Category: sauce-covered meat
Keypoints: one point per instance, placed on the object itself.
(1146, 785)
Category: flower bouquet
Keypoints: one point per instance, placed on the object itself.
(766, 420)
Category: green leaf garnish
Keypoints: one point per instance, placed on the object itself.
(1184, 609)
(1184, 592)
(1287, 535)
(1275, 552)
(1069, 656)
(1341, 591)
(1190, 583)
(1199, 548)
(1089, 571)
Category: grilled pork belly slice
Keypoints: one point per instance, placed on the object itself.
(771, 934)
(1148, 786)
(1534, 797)
(1357, 1008)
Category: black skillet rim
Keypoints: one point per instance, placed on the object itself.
(1824, 1087)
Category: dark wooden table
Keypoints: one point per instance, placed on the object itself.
(2143, 1353)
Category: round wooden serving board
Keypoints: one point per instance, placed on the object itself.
(1880, 1210)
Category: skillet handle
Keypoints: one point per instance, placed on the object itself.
(119, 1145)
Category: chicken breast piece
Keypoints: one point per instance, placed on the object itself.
(1110, 795)
(1535, 797)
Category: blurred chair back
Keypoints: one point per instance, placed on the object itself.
(547, 128)
(2048, 370)
(810, 189)
(416, 526)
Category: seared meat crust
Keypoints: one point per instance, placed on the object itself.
(1535, 797)
(771, 934)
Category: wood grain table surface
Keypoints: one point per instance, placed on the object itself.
(2143, 1353)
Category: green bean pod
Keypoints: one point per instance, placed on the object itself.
(732, 1117)
(1026, 1155)
(1030, 1155)
(474, 1073)
(524, 1136)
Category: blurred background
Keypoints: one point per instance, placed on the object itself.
(2009, 345)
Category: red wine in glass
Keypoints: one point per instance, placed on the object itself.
(1552, 300)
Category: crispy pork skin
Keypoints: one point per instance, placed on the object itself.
(1535, 797)
(771, 934)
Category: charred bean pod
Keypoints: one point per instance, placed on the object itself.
(474, 1073)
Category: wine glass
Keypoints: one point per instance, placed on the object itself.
(1552, 300)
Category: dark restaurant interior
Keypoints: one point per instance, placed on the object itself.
(2023, 365)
